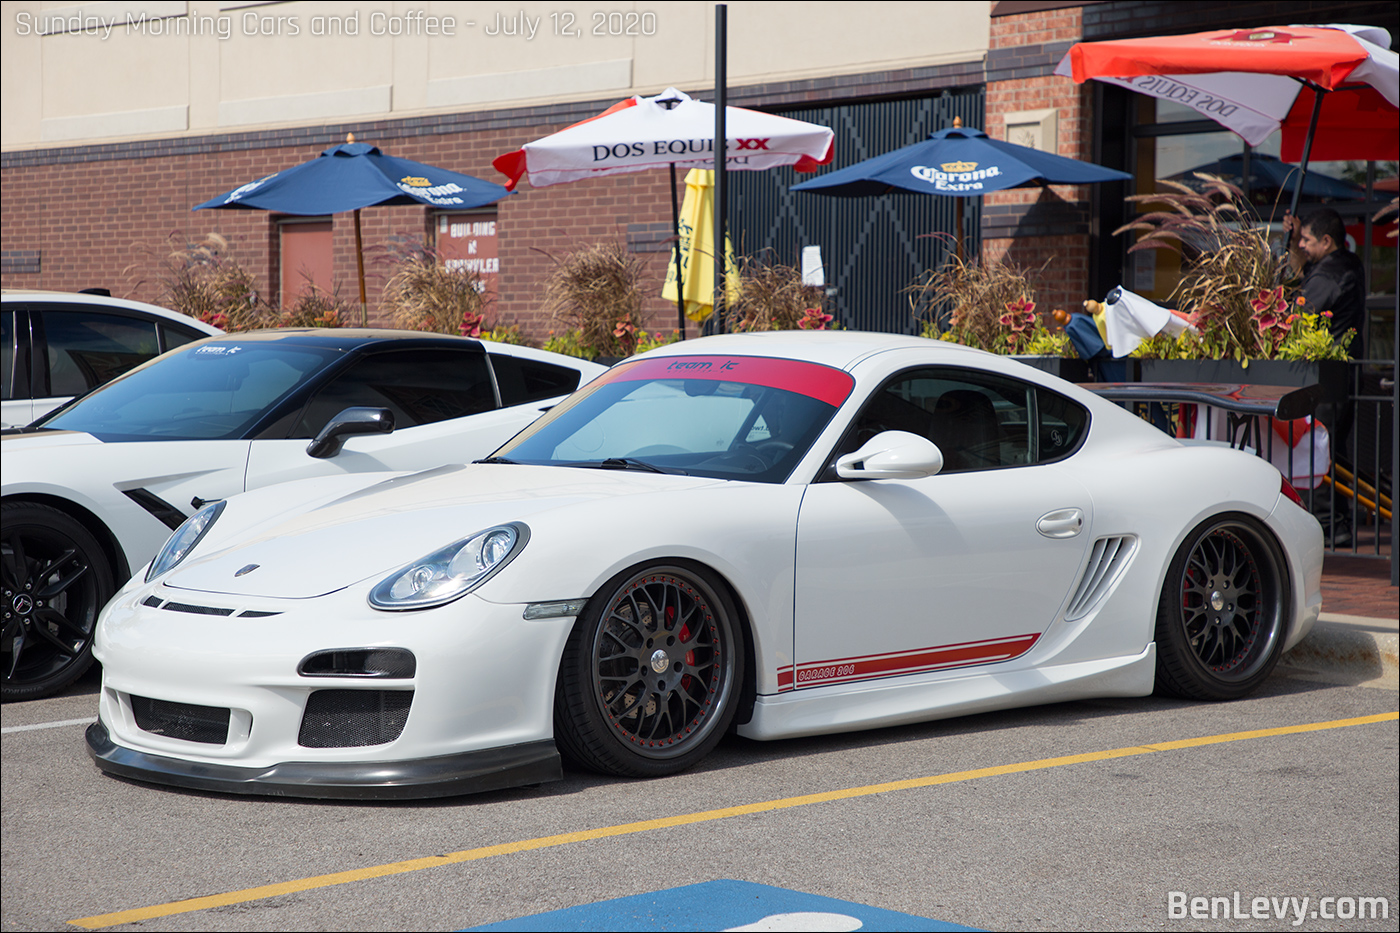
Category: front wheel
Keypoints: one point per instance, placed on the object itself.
(1222, 615)
(651, 672)
(56, 580)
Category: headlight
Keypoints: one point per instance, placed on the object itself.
(185, 538)
(453, 571)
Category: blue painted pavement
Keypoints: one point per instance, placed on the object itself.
(723, 905)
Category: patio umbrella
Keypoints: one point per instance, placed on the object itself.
(959, 162)
(352, 176)
(668, 130)
(692, 280)
(1332, 89)
(1267, 173)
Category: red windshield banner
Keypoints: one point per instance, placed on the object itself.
(810, 379)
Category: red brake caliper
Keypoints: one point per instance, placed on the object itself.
(683, 635)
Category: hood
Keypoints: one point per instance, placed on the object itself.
(370, 533)
(43, 438)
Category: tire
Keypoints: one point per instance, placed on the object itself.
(614, 711)
(56, 579)
(1223, 612)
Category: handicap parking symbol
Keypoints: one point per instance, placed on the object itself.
(723, 905)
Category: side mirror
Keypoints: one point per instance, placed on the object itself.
(348, 422)
(892, 455)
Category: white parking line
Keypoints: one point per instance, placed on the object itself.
(47, 725)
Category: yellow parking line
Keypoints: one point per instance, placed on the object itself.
(626, 829)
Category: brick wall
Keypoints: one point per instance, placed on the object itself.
(1040, 227)
(82, 222)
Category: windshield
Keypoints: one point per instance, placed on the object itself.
(748, 418)
(207, 391)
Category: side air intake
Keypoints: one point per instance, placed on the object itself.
(1106, 564)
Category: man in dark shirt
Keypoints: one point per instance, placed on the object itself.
(1334, 278)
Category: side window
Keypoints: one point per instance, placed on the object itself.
(980, 421)
(172, 337)
(88, 348)
(521, 380)
(9, 349)
(418, 386)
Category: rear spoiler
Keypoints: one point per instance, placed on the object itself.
(1285, 403)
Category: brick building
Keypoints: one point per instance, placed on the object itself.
(108, 141)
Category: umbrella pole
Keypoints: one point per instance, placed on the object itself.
(360, 263)
(680, 281)
(1307, 152)
(959, 225)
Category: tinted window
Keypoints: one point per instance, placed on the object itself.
(521, 380)
(213, 390)
(418, 386)
(8, 349)
(89, 348)
(978, 420)
(174, 336)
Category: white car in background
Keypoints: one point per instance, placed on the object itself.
(55, 345)
(787, 533)
(91, 493)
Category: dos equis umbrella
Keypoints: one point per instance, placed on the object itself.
(1333, 90)
(668, 130)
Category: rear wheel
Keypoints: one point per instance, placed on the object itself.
(650, 676)
(56, 580)
(1222, 615)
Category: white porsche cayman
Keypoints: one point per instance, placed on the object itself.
(785, 534)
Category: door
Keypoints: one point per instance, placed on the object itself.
(966, 567)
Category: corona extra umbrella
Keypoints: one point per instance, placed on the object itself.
(1333, 90)
(668, 130)
(959, 162)
(352, 176)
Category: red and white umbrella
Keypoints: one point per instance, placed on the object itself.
(1256, 81)
(670, 129)
(1332, 89)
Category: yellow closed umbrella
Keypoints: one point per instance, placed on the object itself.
(696, 231)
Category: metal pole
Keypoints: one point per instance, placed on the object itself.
(721, 152)
(1307, 152)
(680, 279)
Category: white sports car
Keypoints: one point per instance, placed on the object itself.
(785, 534)
(91, 493)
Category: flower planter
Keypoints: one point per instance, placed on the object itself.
(1071, 370)
(1332, 375)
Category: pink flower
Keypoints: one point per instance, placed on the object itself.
(814, 319)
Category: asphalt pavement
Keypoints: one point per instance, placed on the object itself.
(1356, 639)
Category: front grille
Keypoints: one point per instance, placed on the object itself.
(206, 724)
(351, 718)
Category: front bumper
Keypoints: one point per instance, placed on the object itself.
(197, 698)
(443, 776)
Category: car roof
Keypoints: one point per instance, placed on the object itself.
(347, 338)
(13, 295)
(841, 349)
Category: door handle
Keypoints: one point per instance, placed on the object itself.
(1061, 523)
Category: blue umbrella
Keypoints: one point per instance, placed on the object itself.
(1269, 174)
(960, 162)
(355, 175)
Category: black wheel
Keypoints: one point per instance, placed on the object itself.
(56, 580)
(1223, 611)
(651, 673)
